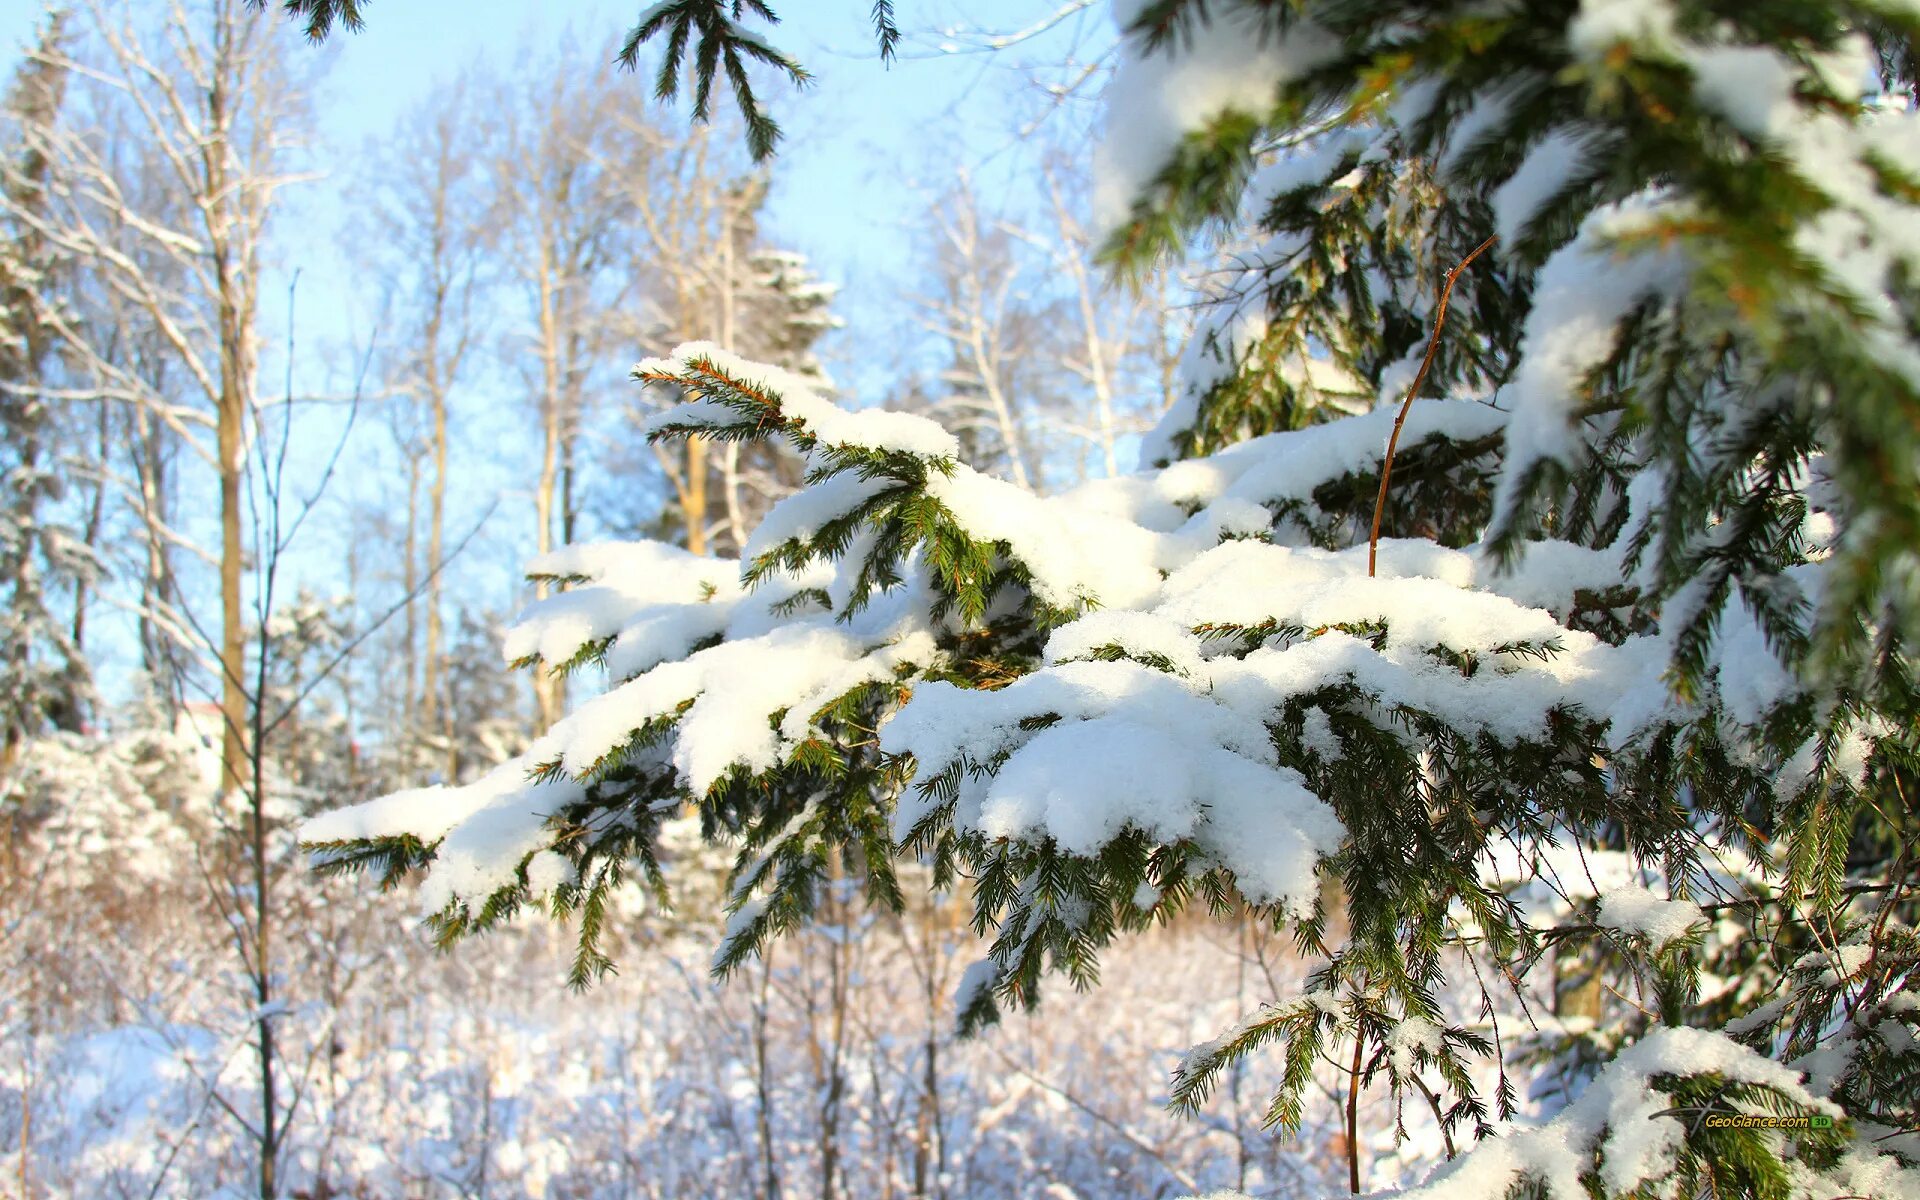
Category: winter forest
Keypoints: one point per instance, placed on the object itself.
(1248, 599)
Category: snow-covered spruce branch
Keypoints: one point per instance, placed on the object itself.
(1098, 707)
(1645, 599)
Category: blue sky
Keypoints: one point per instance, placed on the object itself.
(865, 148)
(862, 142)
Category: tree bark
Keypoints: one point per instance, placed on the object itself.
(546, 697)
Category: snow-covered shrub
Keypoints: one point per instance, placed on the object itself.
(1641, 606)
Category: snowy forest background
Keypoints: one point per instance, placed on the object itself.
(1367, 551)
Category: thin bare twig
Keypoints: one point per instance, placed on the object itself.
(1353, 1110)
(1393, 442)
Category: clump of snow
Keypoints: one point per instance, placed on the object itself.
(1134, 747)
(426, 813)
(1619, 1116)
(1137, 633)
(1583, 293)
(485, 829)
(1082, 782)
(1075, 555)
(801, 515)
(1555, 163)
(1412, 1037)
(1306, 169)
(942, 722)
(1291, 465)
(980, 976)
(1752, 86)
(1492, 109)
(1648, 25)
(733, 688)
(1547, 574)
(547, 872)
(1156, 98)
(670, 570)
(1632, 909)
(663, 632)
(623, 577)
(1317, 735)
(799, 399)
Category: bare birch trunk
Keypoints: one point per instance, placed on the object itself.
(436, 548)
(410, 580)
(546, 697)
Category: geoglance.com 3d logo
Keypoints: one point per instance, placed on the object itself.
(1750, 1121)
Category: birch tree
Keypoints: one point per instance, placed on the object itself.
(554, 152)
(428, 219)
(1008, 302)
(210, 101)
(710, 277)
(167, 226)
(981, 306)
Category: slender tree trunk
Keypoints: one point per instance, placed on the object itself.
(150, 469)
(410, 580)
(987, 366)
(1097, 372)
(233, 653)
(763, 1077)
(96, 517)
(232, 275)
(696, 496)
(837, 971)
(730, 457)
(263, 944)
(545, 697)
(569, 513)
(436, 546)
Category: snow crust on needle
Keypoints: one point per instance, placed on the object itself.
(484, 829)
(725, 687)
(1552, 165)
(1635, 910)
(801, 515)
(1082, 782)
(1291, 465)
(1134, 747)
(1136, 633)
(1075, 555)
(799, 398)
(1618, 1115)
(623, 577)
(1228, 64)
(1601, 24)
(1585, 290)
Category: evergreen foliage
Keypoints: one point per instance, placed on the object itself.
(43, 679)
(1629, 700)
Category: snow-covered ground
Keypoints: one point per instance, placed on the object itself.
(474, 1073)
(129, 1062)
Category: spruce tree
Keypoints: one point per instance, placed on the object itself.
(1600, 673)
(43, 679)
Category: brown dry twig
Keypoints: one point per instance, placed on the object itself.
(1393, 442)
